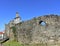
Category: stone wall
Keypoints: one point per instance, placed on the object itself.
(32, 31)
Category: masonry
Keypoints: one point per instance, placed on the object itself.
(39, 29)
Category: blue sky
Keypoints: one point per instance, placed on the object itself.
(27, 9)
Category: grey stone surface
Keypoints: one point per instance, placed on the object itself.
(31, 31)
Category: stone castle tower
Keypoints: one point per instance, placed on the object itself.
(8, 30)
(17, 19)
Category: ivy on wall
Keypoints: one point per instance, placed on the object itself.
(14, 32)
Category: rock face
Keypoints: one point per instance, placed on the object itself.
(41, 29)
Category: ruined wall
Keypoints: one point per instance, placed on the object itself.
(48, 32)
(32, 31)
(8, 32)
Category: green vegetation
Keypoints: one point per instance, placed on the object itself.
(14, 32)
(14, 29)
(14, 43)
(11, 43)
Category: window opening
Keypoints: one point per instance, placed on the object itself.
(42, 23)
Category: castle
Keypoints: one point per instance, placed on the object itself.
(40, 29)
(12, 23)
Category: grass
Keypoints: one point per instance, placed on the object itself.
(12, 43)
